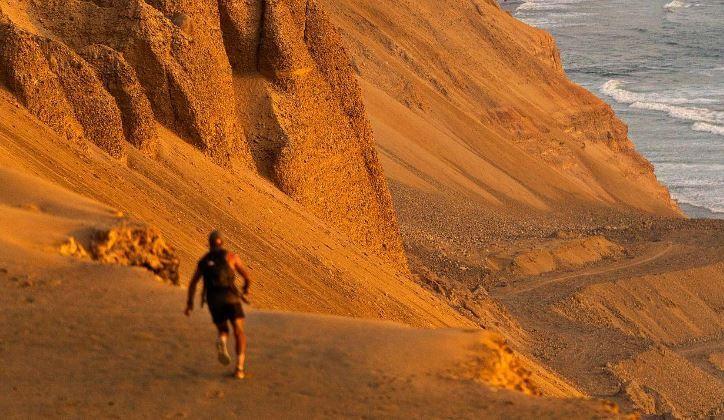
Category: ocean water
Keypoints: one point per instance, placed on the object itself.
(660, 64)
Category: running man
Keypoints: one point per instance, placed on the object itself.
(218, 268)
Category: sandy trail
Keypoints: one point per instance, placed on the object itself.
(584, 323)
(700, 354)
(87, 340)
(655, 253)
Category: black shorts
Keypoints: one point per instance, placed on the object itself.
(222, 312)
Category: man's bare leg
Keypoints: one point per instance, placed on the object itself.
(221, 348)
(240, 337)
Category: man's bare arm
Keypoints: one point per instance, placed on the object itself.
(192, 292)
(242, 269)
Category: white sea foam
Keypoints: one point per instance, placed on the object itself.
(697, 202)
(676, 4)
(694, 181)
(534, 5)
(554, 20)
(548, 14)
(708, 128)
(613, 89)
(683, 113)
(675, 75)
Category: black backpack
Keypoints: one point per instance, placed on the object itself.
(218, 275)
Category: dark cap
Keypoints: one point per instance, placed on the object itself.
(215, 239)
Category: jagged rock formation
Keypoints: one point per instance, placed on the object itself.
(110, 70)
(120, 79)
(60, 88)
(137, 246)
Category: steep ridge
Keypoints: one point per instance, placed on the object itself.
(108, 70)
(490, 154)
(143, 358)
(670, 308)
(495, 159)
(467, 100)
(300, 263)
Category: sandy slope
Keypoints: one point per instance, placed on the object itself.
(465, 99)
(492, 154)
(81, 339)
(300, 263)
(674, 307)
(660, 381)
(643, 330)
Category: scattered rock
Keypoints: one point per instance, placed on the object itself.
(136, 246)
(497, 365)
(128, 245)
(72, 248)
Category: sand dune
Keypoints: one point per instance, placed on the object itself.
(300, 263)
(546, 262)
(83, 339)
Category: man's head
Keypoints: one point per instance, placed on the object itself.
(215, 240)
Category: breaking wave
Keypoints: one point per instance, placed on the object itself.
(549, 14)
(676, 4)
(708, 128)
(676, 107)
(613, 89)
(683, 113)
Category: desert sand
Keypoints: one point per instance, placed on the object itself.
(439, 223)
(84, 339)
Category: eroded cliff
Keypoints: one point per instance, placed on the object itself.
(262, 85)
(464, 98)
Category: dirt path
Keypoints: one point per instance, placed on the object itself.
(656, 253)
(715, 344)
(699, 352)
(574, 346)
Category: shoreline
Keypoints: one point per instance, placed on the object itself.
(698, 212)
(510, 5)
(692, 211)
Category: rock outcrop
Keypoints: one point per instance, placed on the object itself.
(59, 88)
(135, 246)
(138, 246)
(110, 70)
(120, 79)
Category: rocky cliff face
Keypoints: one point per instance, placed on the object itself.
(464, 98)
(261, 84)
